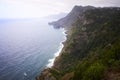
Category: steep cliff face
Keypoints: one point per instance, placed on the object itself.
(67, 21)
(92, 49)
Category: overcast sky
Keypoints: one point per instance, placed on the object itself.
(40, 8)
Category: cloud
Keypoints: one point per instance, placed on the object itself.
(38, 8)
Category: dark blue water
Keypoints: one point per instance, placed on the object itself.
(26, 46)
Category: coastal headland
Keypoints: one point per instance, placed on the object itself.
(92, 48)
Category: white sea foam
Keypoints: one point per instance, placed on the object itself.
(51, 61)
(25, 74)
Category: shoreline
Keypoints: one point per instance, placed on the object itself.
(56, 54)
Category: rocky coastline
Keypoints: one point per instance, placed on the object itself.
(91, 36)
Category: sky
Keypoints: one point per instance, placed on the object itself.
(40, 8)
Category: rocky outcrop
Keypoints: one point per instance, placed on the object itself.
(46, 75)
(67, 21)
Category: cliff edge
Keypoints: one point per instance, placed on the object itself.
(92, 49)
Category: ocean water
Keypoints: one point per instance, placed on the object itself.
(27, 47)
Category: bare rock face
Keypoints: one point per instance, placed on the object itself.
(46, 75)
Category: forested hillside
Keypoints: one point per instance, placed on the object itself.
(92, 49)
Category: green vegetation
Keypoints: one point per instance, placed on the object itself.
(92, 49)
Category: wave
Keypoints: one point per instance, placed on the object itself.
(51, 61)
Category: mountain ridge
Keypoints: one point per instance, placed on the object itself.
(72, 16)
(92, 48)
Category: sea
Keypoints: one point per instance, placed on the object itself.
(27, 46)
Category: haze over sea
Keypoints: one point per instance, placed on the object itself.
(26, 47)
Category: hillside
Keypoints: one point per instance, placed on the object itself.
(68, 20)
(92, 49)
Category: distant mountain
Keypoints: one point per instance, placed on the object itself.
(56, 16)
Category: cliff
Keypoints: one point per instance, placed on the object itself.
(92, 49)
(68, 20)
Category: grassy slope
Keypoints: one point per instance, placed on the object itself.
(92, 49)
